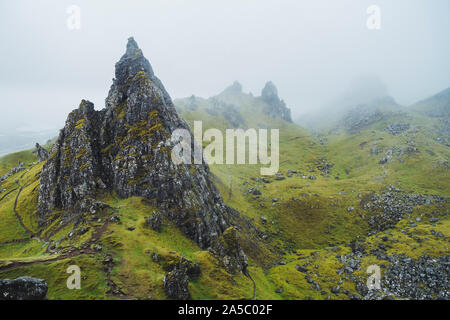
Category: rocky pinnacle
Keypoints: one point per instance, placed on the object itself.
(276, 107)
(126, 148)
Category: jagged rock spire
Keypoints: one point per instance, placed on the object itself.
(126, 148)
(275, 106)
(269, 91)
(132, 62)
(134, 66)
(132, 47)
(236, 87)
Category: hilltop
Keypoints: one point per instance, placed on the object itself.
(370, 188)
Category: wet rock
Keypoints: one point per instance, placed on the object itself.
(23, 288)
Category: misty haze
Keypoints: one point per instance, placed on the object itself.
(224, 150)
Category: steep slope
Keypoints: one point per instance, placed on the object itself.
(436, 106)
(126, 148)
(109, 194)
(343, 201)
(335, 193)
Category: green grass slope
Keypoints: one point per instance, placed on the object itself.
(305, 224)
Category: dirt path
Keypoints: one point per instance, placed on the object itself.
(247, 274)
(8, 193)
(20, 263)
(15, 241)
(114, 290)
(18, 216)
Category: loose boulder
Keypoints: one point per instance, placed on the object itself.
(23, 288)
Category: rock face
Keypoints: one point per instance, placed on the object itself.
(155, 221)
(276, 107)
(23, 288)
(126, 148)
(229, 111)
(176, 282)
(41, 153)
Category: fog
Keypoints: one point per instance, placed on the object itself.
(314, 51)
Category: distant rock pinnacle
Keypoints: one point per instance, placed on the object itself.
(236, 87)
(276, 107)
(126, 148)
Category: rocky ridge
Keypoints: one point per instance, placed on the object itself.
(276, 107)
(126, 148)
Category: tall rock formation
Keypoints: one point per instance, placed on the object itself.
(276, 107)
(126, 148)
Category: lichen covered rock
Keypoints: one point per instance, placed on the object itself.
(126, 148)
(23, 288)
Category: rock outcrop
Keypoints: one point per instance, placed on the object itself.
(155, 221)
(236, 87)
(20, 167)
(229, 111)
(23, 288)
(176, 282)
(41, 153)
(276, 107)
(397, 128)
(126, 148)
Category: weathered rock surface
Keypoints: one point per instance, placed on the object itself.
(18, 168)
(397, 128)
(126, 148)
(393, 204)
(155, 221)
(176, 282)
(276, 107)
(425, 278)
(41, 153)
(23, 288)
(229, 111)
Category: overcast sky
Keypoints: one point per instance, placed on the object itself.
(312, 50)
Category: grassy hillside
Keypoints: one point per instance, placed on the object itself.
(309, 218)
